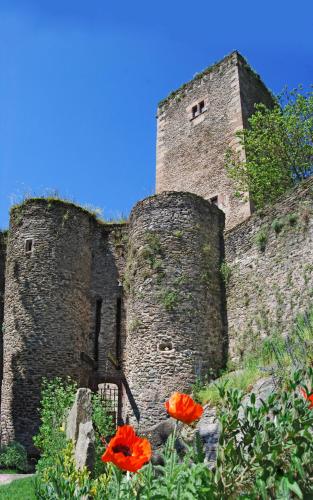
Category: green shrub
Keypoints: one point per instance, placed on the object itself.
(265, 451)
(169, 299)
(292, 219)
(277, 225)
(57, 396)
(273, 458)
(13, 456)
(261, 239)
(226, 272)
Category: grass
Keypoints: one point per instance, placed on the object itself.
(241, 379)
(54, 197)
(9, 471)
(21, 489)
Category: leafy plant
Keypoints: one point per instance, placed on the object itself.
(57, 396)
(226, 272)
(169, 299)
(292, 219)
(266, 450)
(277, 225)
(278, 147)
(13, 456)
(261, 239)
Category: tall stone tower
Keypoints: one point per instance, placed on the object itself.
(196, 125)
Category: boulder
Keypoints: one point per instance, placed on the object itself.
(80, 413)
(80, 430)
(85, 446)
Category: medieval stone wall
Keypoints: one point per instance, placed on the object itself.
(59, 264)
(175, 316)
(271, 265)
(3, 240)
(191, 149)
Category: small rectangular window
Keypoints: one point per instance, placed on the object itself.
(28, 245)
(214, 200)
(194, 111)
(201, 107)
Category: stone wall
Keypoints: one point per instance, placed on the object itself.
(271, 263)
(175, 315)
(191, 150)
(3, 241)
(60, 262)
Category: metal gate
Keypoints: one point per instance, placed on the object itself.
(109, 394)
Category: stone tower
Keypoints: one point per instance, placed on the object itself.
(176, 326)
(197, 123)
(62, 311)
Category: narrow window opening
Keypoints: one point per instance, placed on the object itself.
(97, 329)
(201, 107)
(28, 245)
(194, 111)
(118, 327)
(214, 200)
(165, 346)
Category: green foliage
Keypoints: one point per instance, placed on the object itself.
(265, 451)
(277, 225)
(274, 354)
(242, 379)
(13, 456)
(278, 148)
(104, 425)
(57, 396)
(268, 450)
(61, 480)
(56, 468)
(261, 239)
(178, 233)
(23, 489)
(225, 272)
(292, 219)
(170, 299)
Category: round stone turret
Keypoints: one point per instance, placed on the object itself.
(47, 314)
(175, 307)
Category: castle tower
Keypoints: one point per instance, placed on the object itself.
(175, 309)
(63, 311)
(195, 126)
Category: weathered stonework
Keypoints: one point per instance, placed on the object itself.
(191, 149)
(269, 288)
(51, 297)
(175, 321)
(3, 243)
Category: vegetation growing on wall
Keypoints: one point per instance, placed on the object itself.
(278, 148)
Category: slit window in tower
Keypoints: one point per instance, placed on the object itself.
(201, 107)
(118, 327)
(194, 111)
(214, 200)
(28, 245)
(97, 329)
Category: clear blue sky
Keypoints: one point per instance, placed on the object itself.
(80, 82)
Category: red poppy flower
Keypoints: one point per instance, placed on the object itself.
(127, 450)
(182, 407)
(308, 397)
